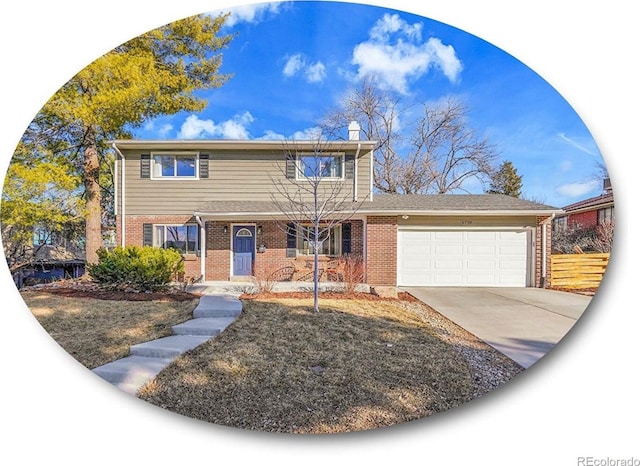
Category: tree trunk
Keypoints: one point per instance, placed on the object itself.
(316, 304)
(93, 218)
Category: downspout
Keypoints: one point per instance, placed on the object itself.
(355, 173)
(203, 248)
(364, 247)
(544, 250)
(122, 191)
(371, 176)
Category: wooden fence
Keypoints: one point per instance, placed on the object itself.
(578, 271)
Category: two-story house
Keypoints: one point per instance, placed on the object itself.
(223, 204)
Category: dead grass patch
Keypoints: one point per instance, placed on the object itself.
(98, 331)
(358, 364)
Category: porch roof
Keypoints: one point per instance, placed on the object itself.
(388, 204)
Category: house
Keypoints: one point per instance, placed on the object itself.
(220, 203)
(588, 213)
(52, 255)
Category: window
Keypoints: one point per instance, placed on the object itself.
(184, 238)
(330, 241)
(320, 166)
(560, 223)
(174, 165)
(42, 236)
(605, 215)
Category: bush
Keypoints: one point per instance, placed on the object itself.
(140, 268)
(587, 239)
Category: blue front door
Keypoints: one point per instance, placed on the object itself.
(243, 249)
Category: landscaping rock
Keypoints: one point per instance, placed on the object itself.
(385, 291)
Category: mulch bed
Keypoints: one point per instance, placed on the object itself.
(584, 291)
(402, 296)
(88, 289)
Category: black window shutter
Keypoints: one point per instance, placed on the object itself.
(204, 165)
(290, 168)
(147, 234)
(349, 166)
(346, 238)
(291, 240)
(145, 166)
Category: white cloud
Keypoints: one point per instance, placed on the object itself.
(297, 64)
(390, 24)
(315, 73)
(308, 134)
(253, 13)
(395, 54)
(234, 128)
(576, 144)
(294, 64)
(165, 130)
(576, 190)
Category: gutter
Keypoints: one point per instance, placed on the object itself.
(122, 191)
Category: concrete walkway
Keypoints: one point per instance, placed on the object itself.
(522, 323)
(213, 314)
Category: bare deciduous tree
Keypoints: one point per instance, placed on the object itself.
(437, 153)
(309, 199)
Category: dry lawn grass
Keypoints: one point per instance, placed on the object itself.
(356, 365)
(98, 331)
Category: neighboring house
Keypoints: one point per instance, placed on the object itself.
(52, 256)
(589, 212)
(214, 201)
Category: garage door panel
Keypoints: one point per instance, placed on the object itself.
(482, 249)
(447, 249)
(462, 258)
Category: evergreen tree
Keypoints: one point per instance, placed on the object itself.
(505, 180)
(157, 73)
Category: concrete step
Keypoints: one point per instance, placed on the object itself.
(132, 371)
(168, 347)
(218, 306)
(211, 326)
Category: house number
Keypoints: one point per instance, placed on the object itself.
(466, 222)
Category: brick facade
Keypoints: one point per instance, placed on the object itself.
(382, 236)
(218, 255)
(583, 219)
(381, 247)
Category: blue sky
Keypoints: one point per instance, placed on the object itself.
(292, 61)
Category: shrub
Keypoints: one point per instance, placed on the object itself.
(349, 271)
(140, 268)
(579, 238)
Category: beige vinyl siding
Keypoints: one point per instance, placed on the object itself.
(470, 222)
(239, 175)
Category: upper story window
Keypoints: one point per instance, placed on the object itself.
(175, 165)
(328, 166)
(605, 215)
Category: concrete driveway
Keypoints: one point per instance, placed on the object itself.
(522, 323)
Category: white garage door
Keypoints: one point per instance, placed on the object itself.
(462, 258)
